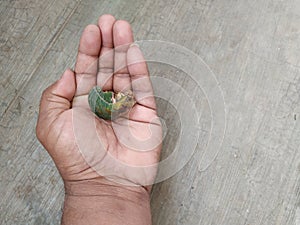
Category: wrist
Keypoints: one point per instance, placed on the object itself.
(105, 202)
(102, 187)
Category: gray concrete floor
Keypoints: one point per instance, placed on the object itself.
(252, 47)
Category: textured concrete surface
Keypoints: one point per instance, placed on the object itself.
(252, 47)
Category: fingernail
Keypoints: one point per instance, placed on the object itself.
(134, 44)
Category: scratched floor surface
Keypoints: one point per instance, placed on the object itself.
(252, 48)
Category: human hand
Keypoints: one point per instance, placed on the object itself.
(89, 152)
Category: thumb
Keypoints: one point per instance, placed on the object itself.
(65, 86)
(57, 98)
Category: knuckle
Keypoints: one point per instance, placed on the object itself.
(45, 93)
(38, 132)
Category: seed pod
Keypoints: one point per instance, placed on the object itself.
(108, 105)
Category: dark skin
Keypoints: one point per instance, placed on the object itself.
(99, 188)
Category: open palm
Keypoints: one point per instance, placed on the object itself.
(85, 147)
